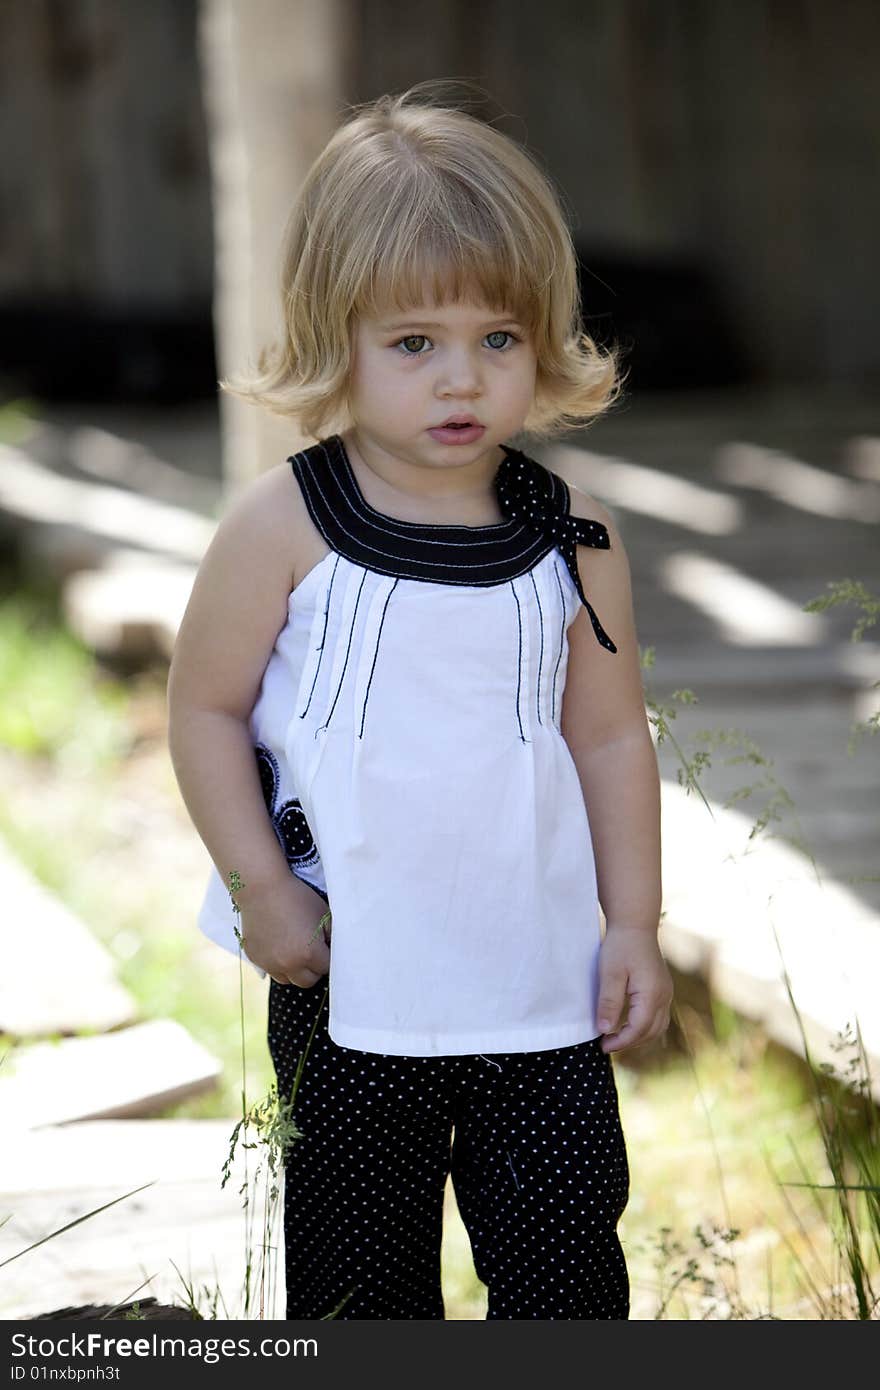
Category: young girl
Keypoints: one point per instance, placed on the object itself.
(406, 690)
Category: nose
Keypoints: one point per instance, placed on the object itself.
(459, 375)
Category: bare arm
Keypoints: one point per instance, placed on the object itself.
(605, 724)
(237, 607)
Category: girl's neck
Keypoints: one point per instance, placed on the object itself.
(458, 495)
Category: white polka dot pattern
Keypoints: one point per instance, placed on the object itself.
(534, 1144)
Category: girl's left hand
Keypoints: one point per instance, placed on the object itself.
(632, 972)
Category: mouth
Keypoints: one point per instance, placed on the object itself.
(459, 422)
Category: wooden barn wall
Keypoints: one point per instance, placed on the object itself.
(105, 185)
(741, 133)
(744, 134)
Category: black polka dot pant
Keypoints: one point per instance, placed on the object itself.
(534, 1144)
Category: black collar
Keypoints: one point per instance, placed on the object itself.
(534, 501)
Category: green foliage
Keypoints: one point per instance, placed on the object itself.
(848, 591)
(691, 769)
(18, 420)
(848, 1122)
(54, 701)
(853, 591)
(703, 1271)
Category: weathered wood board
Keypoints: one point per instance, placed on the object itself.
(131, 1071)
(56, 977)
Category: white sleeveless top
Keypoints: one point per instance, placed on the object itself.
(407, 733)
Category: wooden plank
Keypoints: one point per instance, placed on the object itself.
(119, 598)
(56, 977)
(744, 914)
(51, 1176)
(113, 1156)
(112, 515)
(133, 1071)
(133, 1245)
(132, 607)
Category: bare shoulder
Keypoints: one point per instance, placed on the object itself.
(273, 504)
(604, 696)
(583, 505)
(609, 567)
(240, 596)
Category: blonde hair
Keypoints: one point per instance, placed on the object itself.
(409, 200)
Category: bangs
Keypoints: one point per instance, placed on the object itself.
(440, 264)
(438, 277)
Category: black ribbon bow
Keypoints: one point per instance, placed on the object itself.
(526, 493)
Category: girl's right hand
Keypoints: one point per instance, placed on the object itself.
(280, 931)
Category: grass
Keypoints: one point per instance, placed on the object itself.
(752, 1231)
(778, 1213)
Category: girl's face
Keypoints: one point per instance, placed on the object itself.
(414, 370)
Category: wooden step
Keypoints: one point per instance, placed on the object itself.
(56, 977)
(182, 1217)
(132, 1071)
(744, 914)
(114, 1156)
(131, 607)
(101, 515)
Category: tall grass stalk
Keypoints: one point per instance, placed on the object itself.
(274, 1133)
(68, 1226)
(847, 1117)
(843, 1104)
